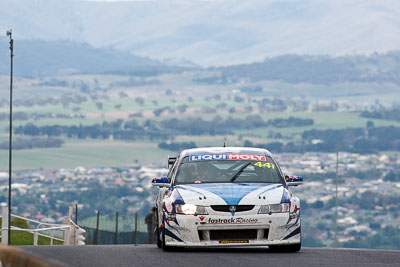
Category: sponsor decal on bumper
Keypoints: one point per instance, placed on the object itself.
(233, 220)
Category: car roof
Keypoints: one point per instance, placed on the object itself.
(222, 150)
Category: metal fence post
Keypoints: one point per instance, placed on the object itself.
(135, 236)
(35, 238)
(52, 237)
(116, 228)
(4, 225)
(96, 233)
(67, 235)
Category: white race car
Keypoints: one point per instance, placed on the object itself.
(227, 196)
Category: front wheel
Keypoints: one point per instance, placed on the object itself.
(159, 244)
(285, 248)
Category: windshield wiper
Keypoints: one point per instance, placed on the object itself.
(236, 175)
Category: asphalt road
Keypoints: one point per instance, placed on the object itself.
(150, 255)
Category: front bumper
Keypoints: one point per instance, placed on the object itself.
(228, 230)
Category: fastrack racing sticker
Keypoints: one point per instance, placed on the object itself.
(232, 220)
(228, 157)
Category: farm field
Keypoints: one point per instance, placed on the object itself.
(88, 153)
(111, 97)
(91, 153)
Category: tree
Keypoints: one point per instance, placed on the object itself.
(392, 176)
(84, 88)
(370, 124)
(157, 112)
(139, 100)
(99, 105)
(182, 108)
(221, 105)
(248, 109)
(122, 94)
(248, 143)
(238, 99)
(20, 115)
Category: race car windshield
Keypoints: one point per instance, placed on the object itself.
(228, 171)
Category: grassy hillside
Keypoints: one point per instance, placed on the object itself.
(19, 238)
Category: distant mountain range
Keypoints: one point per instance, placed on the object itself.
(375, 68)
(36, 58)
(209, 33)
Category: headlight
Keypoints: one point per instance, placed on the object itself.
(274, 208)
(190, 209)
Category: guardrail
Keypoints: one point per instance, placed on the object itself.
(68, 233)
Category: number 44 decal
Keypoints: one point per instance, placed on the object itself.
(268, 165)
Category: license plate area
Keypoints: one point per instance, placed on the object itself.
(234, 241)
(233, 234)
(236, 235)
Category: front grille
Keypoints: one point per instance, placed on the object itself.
(245, 234)
(225, 208)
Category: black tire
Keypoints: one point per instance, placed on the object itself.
(159, 244)
(285, 248)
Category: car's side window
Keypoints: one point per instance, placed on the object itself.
(172, 170)
(282, 175)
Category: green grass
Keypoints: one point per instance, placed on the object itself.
(88, 153)
(95, 153)
(19, 238)
(23, 238)
(322, 121)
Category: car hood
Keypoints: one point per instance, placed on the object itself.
(231, 193)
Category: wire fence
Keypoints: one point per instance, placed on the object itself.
(116, 229)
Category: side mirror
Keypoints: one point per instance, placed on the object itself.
(171, 161)
(161, 182)
(294, 180)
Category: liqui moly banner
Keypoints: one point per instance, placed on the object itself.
(228, 157)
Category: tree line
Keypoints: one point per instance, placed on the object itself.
(164, 129)
(176, 146)
(131, 130)
(384, 114)
(23, 116)
(34, 142)
(218, 125)
(315, 69)
(357, 140)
